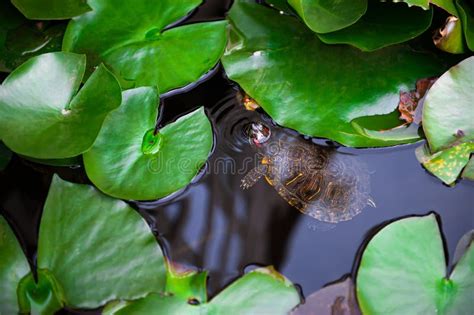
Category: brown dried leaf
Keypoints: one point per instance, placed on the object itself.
(411, 103)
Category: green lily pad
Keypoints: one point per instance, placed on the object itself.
(5, 156)
(324, 16)
(87, 238)
(129, 161)
(466, 14)
(403, 271)
(447, 5)
(448, 110)
(314, 88)
(381, 26)
(51, 9)
(21, 39)
(44, 296)
(141, 52)
(262, 291)
(49, 120)
(448, 164)
(13, 267)
(468, 171)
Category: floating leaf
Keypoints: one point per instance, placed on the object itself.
(324, 16)
(49, 120)
(447, 5)
(466, 14)
(448, 111)
(142, 51)
(335, 299)
(450, 37)
(382, 26)
(403, 271)
(129, 161)
(447, 164)
(87, 238)
(5, 156)
(51, 9)
(314, 88)
(13, 267)
(262, 291)
(468, 171)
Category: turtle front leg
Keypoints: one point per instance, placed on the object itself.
(253, 176)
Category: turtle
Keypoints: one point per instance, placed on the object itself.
(317, 180)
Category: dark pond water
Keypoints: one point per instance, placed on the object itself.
(215, 225)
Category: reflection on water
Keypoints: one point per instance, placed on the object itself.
(316, 180)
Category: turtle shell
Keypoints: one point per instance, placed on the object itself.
(317, 180)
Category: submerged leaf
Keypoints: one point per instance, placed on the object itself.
(51, 119)
(5, 156)
(13, 267)
(335, 299)
(383, 25)
(132, 160)
(447, 164)
(314, 88)
(262, 291)
(448, 112)
(51, 9)
(324, 16)
(81, 245)
(403, 271)
(21, 39)
(143, 51)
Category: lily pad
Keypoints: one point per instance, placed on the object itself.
(323, 16)
(335, 299)
(80, 244)
(51, 9)
(448, 164)
(262, 291)
(13, 267)
(448, 110)
(314, 88)
(466, 14)
(403, 271)
(129, 161)
(143, 51)
(189, 285)
(382, 26)
(51, 119)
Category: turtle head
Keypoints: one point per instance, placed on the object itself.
(258, 133)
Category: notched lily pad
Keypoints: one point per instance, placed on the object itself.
(51, 119)
(132, 160)
(80, 244)
(13, 267)
(147, 53)
(403, 271)
(262, 291)
(51, 9)
(384, 24)
(448, 111)
(305, 85)
(448, 164)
